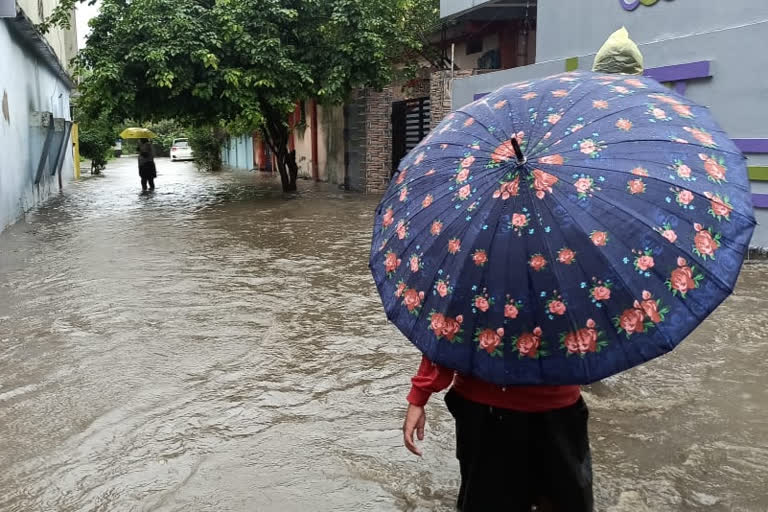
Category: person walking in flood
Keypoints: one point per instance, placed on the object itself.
(147, 169)
(520, 448)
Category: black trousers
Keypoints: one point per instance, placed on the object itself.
(145, 181)
(513, 460)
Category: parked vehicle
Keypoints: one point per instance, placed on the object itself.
(180, 150)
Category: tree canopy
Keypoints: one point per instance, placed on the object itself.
(242, 63)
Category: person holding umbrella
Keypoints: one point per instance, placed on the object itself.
(147, 169)
(549, 235)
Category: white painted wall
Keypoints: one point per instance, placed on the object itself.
(29, 86)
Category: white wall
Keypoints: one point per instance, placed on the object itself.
(29, 86)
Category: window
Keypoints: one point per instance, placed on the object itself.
(474, 45)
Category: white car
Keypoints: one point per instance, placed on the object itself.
(180, 150)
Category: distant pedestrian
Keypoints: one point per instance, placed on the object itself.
(147, 169)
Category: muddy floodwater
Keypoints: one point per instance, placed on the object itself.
(218, 347)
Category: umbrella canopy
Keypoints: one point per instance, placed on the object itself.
(137, 133)
(562, 230)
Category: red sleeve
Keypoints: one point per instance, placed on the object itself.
(430, 378)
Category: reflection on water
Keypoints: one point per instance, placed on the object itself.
(218, 347)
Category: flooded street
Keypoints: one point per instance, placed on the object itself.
(215, 346)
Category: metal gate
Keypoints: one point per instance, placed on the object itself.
(410, 124)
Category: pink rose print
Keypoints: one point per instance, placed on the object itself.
(601, 293)
(442, 288)
(503, 153)
(430, 172)
(632, 321)
(683, 171)
(482, 303)
(454, 246)
(566, 256)
(576, 127)
(588, 146)
(716, 170)
(437, 323)
(552, 160)
(529, 343)
(403, 194)
(489, 339)
(463, 175)
(701, 136)
(436, 228)
(650, 307)
(557, 307)
(511, 311)
(583, 186)
(389, 218)
(508, 189)
(559, 93)
(682, 280)
(427, 201)
(500, 104)
(644, 262)
(670, 235)
(704, 243)
(419, 158)
(412, 299)
(537, 262)
(480, 257)
(582, 341)
(658, 113)
(600, 104)
(634, 82)
(599, 238)
(391, 262)
(519, 220)
(415, 263)
(469, 122)
(684, 197)
(468, 161)
(401, 176)
(465, 192)
(683, 111)
(402, 230)
(620, 89)
(401, 286)
(719, 207)
(529, 95)
(554, 118)
(543, 182)
(636, 186)
(446, 327)
(640, 171)
(664, 99)
(624, 124)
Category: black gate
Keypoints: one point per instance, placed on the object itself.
(410, 124)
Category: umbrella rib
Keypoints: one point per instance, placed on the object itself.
(659, 141)
(650, 178)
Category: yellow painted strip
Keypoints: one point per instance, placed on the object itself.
(572, 64)
(76, 149)
(758, 173)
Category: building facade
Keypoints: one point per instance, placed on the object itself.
(708, 50)
(36, 157)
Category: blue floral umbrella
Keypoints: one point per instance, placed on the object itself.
(562, 230)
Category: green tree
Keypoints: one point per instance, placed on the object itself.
(243, 63)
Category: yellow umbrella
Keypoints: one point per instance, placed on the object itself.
(137, 133)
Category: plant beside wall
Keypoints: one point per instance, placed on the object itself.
(206, 143)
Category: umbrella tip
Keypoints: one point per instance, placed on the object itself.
(518, 152)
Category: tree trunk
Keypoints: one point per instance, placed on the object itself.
(289, 170)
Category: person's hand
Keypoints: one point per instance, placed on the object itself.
(415, 418)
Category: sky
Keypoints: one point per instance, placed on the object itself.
(84, 13)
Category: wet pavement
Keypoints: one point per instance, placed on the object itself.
(215, 346)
